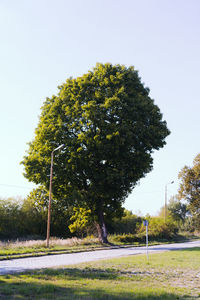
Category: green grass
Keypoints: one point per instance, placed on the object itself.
(38, 247)
(39, 251)
(17, 249)
(170, 275)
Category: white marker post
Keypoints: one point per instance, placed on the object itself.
(146, 223)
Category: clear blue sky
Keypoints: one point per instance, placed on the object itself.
(43, 42)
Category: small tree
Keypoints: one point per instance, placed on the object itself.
(177, 209)
(190, 188)
(81, 219)
(110, 127)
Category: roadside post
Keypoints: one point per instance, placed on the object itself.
(146, 223)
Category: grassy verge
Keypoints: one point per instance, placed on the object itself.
(38, 247)
(17, 249)
(167, 276)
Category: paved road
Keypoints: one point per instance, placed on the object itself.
(31, 263)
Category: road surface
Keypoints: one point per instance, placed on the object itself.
(32, 263)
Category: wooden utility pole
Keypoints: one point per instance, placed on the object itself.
(50, 193)
(49, 207)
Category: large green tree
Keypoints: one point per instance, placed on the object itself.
(190, 188)
(110, 127)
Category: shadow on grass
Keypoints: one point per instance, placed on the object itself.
(77, 284)
(191, 249)
(79, 274)
(22, 290)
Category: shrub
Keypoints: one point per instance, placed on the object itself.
(128, 224)
(128, 238)
(160, 229)
(82, 221)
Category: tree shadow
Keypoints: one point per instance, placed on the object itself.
(30, 290)
(190, 249)
(77, 274)
(48, 284)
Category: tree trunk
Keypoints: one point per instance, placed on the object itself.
(101, 228)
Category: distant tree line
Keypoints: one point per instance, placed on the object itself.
(21, 218)
(27, 218)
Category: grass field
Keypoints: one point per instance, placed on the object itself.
(169, 275)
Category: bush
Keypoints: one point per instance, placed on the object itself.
(190, 224)
(128, 238)
(82, 221)
(128, 224)
(160, 229)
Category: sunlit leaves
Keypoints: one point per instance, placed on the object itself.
(190, 185)
(106, 116)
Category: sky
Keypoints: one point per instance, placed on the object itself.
(44, 42)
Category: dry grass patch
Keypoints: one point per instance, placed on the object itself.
(14, 249)
(53, 243)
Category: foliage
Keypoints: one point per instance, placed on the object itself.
(190, 188)
(177, 210)
(17, 219)
(128, 223)
(129, 238)
(22, 218)
(110, 127)
(159, 228)
(35, 207)
(38, 199)
(81, 220)
(188, 225)
(11, 216)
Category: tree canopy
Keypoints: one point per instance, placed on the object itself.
(110, 126)
(190, 187)
(177, 209)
